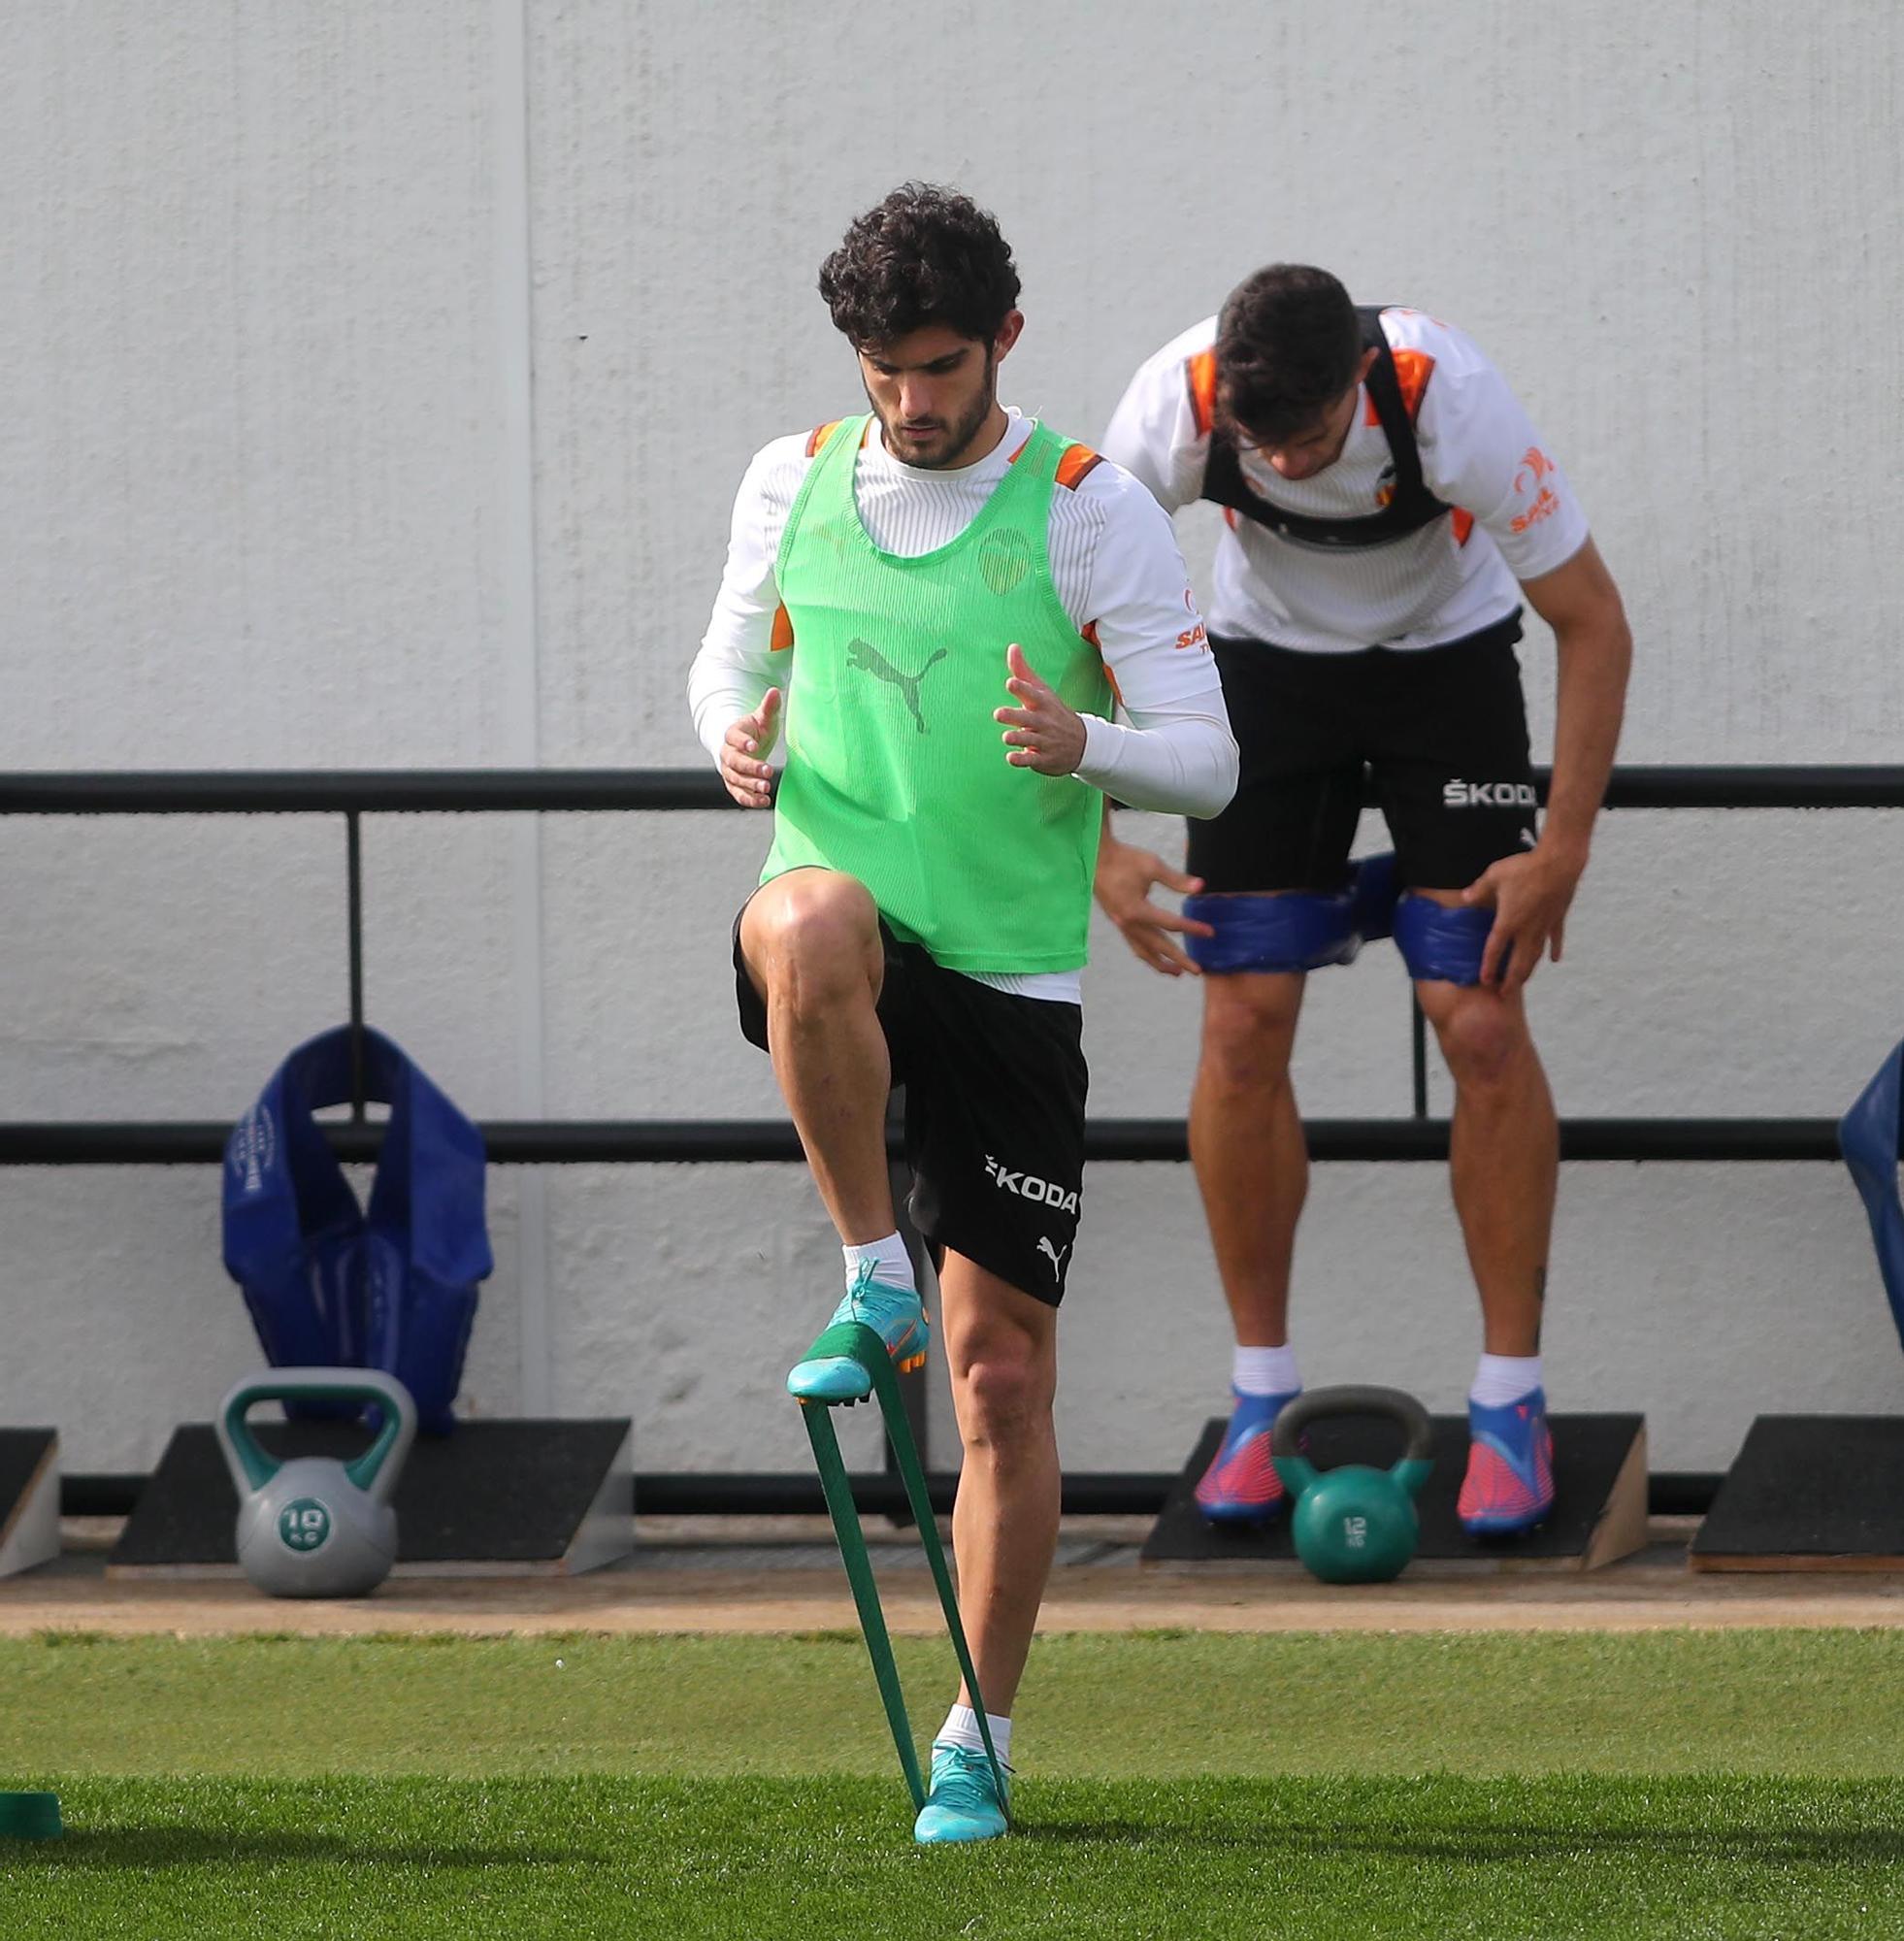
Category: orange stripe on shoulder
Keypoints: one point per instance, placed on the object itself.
(819, 435)
(1089, 634)
(1412, 371)
(1200, 375)
(1463, 524)
(1076, 464)
(783, 630)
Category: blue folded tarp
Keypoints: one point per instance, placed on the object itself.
(1869, 1137)
(330, 1284)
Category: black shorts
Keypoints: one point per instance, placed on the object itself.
(995, 1088)
(1441, 733)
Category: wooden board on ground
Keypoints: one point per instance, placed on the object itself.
(1810, 1493)
(493, 1499)
(29, 1498)
(1600, 1506)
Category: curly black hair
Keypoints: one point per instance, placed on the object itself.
(925, 254)
(1288, 346)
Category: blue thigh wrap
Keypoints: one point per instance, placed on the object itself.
(1868, 1137)
(1295, 930)
(1441, 944)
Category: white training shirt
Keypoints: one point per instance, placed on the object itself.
(1117, 572)
(1517, 516)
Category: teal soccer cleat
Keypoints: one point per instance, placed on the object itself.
(965, 1802)
(893, 1313)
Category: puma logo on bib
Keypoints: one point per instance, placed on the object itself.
(867, 658)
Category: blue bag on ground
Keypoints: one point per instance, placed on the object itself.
(1869, 1137)
(330, 1284)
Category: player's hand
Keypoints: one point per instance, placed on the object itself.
(1530, 896)
(1126, 876)
(1040, 732)
(744, 749)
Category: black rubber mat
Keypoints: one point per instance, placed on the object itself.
(1589, 1451)
(493, 1491)
(1809, 1486)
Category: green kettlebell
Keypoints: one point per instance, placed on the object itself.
(1356, 1524)
(314, 1526)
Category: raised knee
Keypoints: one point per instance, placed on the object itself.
(820, 937)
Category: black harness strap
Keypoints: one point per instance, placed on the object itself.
(1412, 505)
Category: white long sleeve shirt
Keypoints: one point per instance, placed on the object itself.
(1516, 518)
(1116, 570)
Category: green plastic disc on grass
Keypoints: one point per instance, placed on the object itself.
(29, 1815)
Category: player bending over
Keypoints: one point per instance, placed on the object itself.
(1389, 507)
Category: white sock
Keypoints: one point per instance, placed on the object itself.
(1264, 1371)
(960, 1728)
(890, 1263)
(1505, 1378)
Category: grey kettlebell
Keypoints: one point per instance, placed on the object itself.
(314, 1526)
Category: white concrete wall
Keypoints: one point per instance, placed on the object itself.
(377, 382)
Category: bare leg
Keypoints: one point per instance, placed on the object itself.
(810, 942)
(1503, 1154)
(1246, 1144)
(1002, 1348)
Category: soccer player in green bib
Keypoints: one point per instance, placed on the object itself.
(943, 635)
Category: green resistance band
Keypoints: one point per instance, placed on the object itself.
(859, 1343)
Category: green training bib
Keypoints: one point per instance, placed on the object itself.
(896, 773)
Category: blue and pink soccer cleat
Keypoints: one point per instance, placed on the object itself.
(1509, 1485)
(1241, 1484)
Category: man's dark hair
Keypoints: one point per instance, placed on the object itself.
(1288, 345)
(924, 255)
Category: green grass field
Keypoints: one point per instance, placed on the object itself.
(1681, 1785)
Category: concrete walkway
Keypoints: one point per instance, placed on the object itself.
(782, 1575)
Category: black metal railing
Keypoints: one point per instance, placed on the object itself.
(356, 794)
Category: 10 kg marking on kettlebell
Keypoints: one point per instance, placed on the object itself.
(303, 1524)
